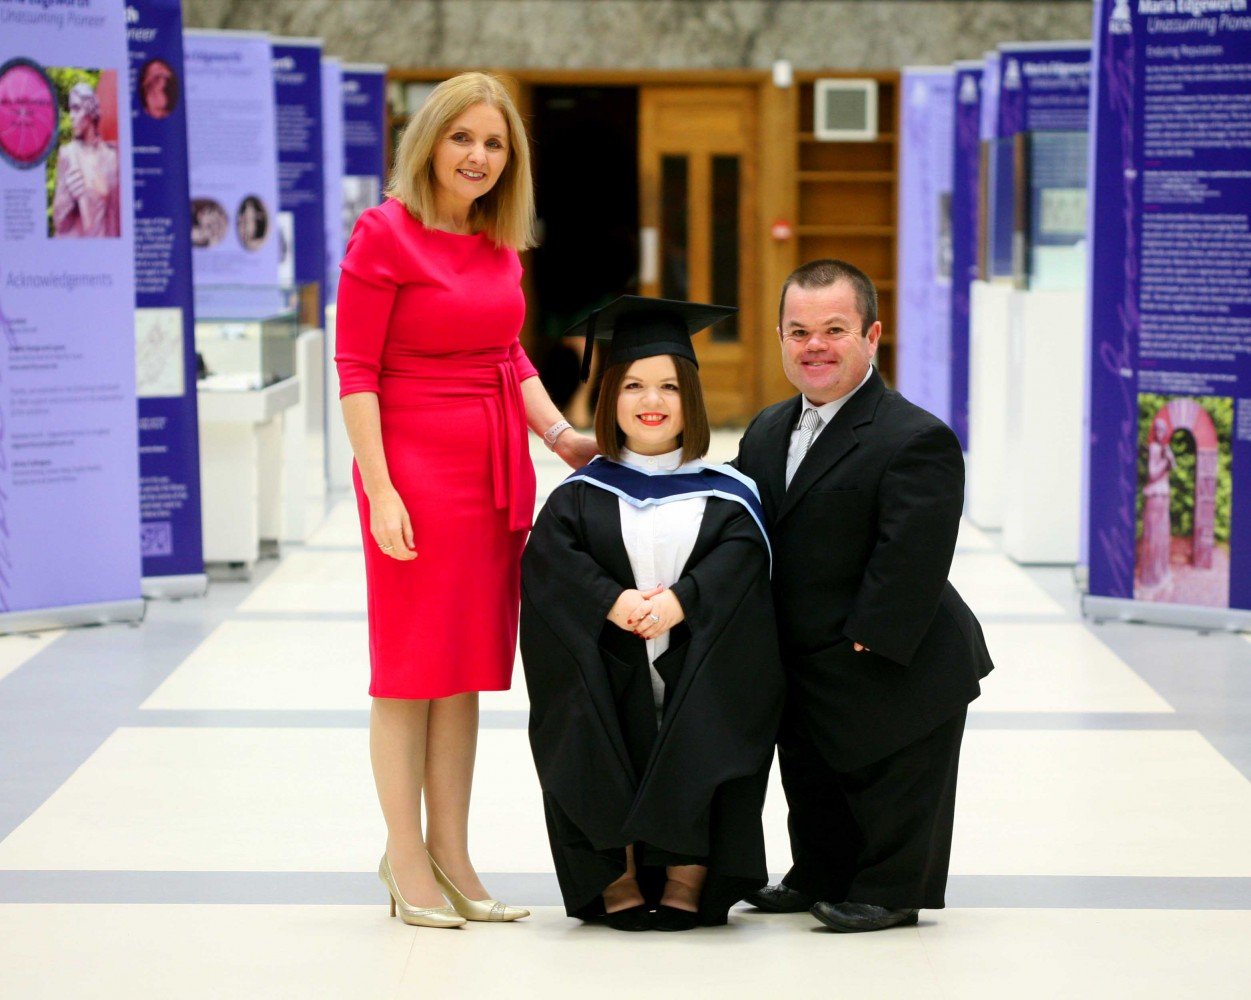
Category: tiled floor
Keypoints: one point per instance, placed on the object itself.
(186, 811)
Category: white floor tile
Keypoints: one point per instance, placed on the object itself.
(108, 952)
(1099, 803)
(16, 649)
(290, 666)
(973, 539)
(166, 799)
(777, 841)
(551, 957)
(342, 526)
(1111, 954)
(273, 665)
(991, 584)
(1059, 667)
(1031, 803)
(309, 582)
(352, 951)
(210, 800)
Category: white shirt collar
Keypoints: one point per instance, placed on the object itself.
(670, 461)
(826, 411)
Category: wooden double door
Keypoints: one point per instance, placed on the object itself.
(697, 187)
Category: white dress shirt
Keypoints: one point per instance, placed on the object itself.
(826, 413)
(659, 539)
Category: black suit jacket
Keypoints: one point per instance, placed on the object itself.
(862, 545)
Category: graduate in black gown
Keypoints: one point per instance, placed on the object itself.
(649, 646)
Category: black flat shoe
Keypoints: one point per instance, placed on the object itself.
(852, 918)
(636, 918)
(779, 899)
(670, 918)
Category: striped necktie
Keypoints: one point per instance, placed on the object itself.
(809, 425)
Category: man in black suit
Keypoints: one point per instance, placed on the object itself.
(862, 491)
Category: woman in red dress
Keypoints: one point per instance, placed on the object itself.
(437, 393)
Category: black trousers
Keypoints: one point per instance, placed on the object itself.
(880, 834)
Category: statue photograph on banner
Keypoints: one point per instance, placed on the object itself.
(1185, 495)
(84, 181)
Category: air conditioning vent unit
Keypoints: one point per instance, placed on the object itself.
(845, 110)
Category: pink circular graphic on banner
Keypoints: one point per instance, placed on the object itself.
(28, 113)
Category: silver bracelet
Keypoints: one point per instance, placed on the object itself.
(552, 433)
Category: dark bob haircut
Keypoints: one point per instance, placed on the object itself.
(695, 436)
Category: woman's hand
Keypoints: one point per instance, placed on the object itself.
(631, 606)
(575, 449)
(663, 613)
(390, 525)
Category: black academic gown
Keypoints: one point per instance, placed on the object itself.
(692, 791)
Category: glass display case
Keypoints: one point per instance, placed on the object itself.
(1052, 199)
(245, 336)
(999, 202)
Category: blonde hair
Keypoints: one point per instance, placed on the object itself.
(506, 212)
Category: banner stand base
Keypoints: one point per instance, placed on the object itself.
(43, 619)
(1181, 615)
(175, 588)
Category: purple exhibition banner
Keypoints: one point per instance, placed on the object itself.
(1170, 313)
(923, 368)
(332, 172)
(364, 132)
(233, 161)
(1043, 87)
(165, 364)
(301, 184)
(988, 117)
(69, 475)
(965, 167)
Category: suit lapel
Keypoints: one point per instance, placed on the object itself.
(777, 438)
(833, 443)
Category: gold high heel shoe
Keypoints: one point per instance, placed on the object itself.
(475, 909)
(433, 916)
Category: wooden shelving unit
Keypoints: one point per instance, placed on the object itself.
(847, 197)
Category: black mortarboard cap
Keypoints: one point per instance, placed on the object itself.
(635, 327)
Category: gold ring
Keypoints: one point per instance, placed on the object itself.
(386, 548)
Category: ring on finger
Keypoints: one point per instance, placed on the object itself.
(386, 548)
(655, 618)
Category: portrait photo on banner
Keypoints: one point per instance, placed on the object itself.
(84, 179)
(252, 222)
(158, 89)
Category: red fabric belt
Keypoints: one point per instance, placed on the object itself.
(494, 382)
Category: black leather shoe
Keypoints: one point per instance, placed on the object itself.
(670, 918)
(779, 898)
(851, 918)
(636, 918)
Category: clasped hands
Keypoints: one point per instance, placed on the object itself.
(633, 610)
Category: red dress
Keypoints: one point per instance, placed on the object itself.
(428, 320)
